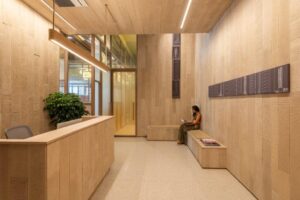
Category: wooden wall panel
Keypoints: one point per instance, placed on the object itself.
(260, 132)
(29, 68)
(295, 147)
(155, 105)
(294, 14)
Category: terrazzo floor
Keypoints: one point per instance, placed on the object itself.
(145, 170)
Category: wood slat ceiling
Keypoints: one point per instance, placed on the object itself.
(135, 16)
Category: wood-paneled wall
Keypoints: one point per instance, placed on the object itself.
(155, 105)
(29, 68)
(261, 132)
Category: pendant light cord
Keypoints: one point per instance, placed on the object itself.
(53, 16)
(106, 8)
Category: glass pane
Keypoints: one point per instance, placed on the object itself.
(83, 41)
(97, 74)
(104, 57)
(102, 38)
(106, 105)
(108, 41)
(97, 49)
(80, 81)
(124, 102)
(123, 50)
(108, 59)
(97, 99)
(61, 70)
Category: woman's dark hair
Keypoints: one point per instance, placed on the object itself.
(196, 108)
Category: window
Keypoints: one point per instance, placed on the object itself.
(97, 49)
(80, 81)
(61, 70)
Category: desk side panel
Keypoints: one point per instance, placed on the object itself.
(78, 163)
(22, 171)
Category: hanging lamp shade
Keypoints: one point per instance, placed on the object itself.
(69, 46)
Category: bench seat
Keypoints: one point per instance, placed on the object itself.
(207, 156)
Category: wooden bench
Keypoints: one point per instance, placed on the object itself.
(207, 156)
(162, 132)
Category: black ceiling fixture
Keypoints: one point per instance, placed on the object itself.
(71, 3)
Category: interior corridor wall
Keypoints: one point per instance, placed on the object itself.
(155, 105)
(29, 68)
(261, 132)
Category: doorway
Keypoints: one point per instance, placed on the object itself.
(124, 101)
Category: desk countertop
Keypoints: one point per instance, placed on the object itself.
(52, 136)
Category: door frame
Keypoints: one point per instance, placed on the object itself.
(114, 70)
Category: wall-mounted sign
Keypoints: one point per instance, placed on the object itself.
(272, 81)
(176, 66)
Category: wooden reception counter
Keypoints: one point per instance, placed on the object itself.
(67, 163)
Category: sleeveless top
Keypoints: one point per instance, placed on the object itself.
(197, 126)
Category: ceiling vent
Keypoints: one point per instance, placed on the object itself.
(71, 3)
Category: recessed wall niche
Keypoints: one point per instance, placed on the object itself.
(271, 81)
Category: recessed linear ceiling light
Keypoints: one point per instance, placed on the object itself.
(58, 15)
(66, 44)
(185, 14)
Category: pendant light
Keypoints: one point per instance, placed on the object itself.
(60, 40)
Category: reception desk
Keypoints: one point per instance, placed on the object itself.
(64, 164)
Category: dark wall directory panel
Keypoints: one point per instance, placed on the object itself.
(271, 81)
(176, 66)
(216, 90)
(230, 88)
(241, 88)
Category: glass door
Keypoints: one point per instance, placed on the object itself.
(124, 102)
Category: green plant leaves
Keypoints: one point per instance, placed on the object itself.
(64, 107)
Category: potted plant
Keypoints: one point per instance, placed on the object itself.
(64, 107)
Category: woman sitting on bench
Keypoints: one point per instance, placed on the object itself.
(187, 126)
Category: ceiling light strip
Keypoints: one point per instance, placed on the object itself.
(185, 14)
(58, 15)
(66, 44)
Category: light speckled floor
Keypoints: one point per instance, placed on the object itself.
(146, 170)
